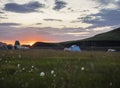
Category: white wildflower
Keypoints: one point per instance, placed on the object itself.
(52, 71)
(42, 74)
(82, 68)
(31, 70)
(23, 68)
(18, 65)
(54, 75)
(32, 66)
(110, 83)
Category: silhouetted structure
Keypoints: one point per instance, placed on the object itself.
(10, 46)
(17, 45)
(3, 46)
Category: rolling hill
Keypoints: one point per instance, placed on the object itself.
(44, 45)
(108, 39)
(113, 35)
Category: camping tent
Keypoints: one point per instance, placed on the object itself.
(75, 48)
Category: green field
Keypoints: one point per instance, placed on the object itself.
(24, 69)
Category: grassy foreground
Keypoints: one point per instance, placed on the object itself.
(59, 69)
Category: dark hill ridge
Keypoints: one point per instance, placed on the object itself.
(108, 39)
(46, 45)
(113, 35)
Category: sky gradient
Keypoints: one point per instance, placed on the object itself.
(56, 20)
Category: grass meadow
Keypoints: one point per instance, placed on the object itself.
(59, 69)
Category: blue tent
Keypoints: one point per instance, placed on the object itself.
(75, 48)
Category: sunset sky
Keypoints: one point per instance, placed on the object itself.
(56, 20)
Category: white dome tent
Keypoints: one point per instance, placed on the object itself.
(73, 48)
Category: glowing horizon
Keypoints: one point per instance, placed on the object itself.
(27, 42)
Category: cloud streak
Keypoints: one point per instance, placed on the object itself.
(23, 8)
(2, 17)
(1, 12)
(38, 23)
(10, 24)
(53, 20)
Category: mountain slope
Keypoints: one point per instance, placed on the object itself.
(44, 45)
(113, 35)
(108, 39)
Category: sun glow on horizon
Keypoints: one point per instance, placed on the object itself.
(28, 42)
(22, 43)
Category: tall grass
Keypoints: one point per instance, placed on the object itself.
(22, 69)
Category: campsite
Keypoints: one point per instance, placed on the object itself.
(59, 43)
(41, 68)
(86, 63)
